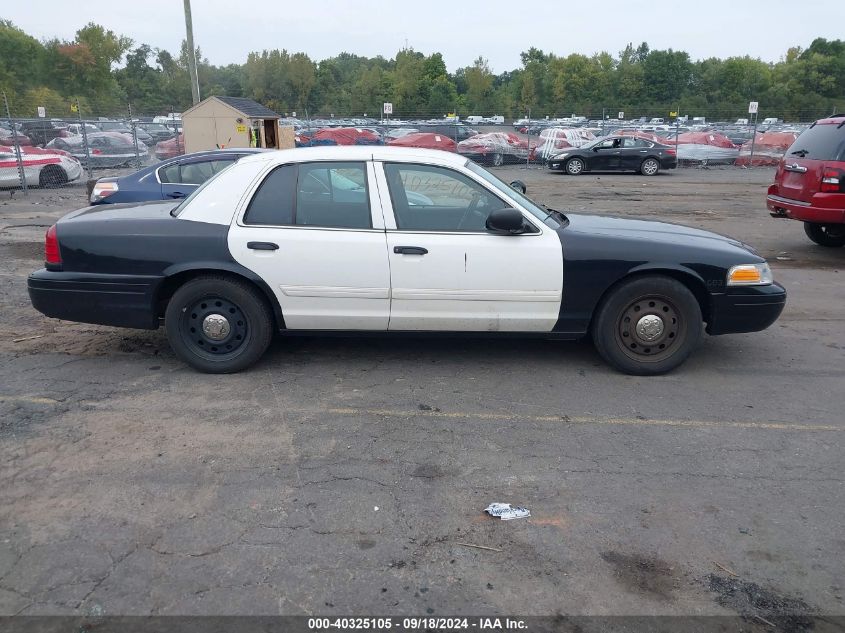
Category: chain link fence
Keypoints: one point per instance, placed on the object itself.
(75, 151)
(60, 152)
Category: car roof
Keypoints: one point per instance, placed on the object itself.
(836, 119)
(357, 153)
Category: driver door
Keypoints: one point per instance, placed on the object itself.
(606, 155)
(447, 272)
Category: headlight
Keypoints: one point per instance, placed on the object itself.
(558, 156)
(750, 275)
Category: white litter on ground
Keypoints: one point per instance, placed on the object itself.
(506, 511)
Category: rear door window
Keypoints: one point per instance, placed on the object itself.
(333, 195)
(273, 203)
(820, 142)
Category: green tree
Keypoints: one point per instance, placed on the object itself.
(479, 93)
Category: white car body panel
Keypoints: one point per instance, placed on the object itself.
(474, 282)
(350, 279)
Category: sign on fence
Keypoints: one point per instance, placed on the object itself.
(42, 112)
(620, 116)
(752, 107)
(388, 108)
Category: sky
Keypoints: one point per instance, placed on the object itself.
(227, 31)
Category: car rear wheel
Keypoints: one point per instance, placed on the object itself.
(218, 325)
(649, 167)
(648, 326)
(575, 166)
(52, 176)
(831, 235)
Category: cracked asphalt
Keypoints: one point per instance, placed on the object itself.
(348, 476)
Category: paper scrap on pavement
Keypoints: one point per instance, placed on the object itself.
(506, 511)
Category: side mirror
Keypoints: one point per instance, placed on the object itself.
(505, 221)
(519, 186)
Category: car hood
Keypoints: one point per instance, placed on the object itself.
(651, 231)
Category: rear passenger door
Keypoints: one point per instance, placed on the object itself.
(315, 233)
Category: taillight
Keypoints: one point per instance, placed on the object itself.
(670, 152)
(52, 254)
(103, 190)
(831, 181)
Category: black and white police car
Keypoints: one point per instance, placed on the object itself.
(394, 240)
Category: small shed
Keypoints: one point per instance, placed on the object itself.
(220, 122)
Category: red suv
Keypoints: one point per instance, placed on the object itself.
(810, 182)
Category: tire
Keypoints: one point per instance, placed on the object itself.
(498, 160)
(218, 350)
(830, 235)
(575, 166)
(635, 345)
(52, 176)
(649, 167)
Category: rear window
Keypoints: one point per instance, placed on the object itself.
(820, 142)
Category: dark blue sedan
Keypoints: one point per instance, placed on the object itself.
(170, 179)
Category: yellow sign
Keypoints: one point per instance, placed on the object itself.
(451, 115)
(673, 114)
(74, 107)
(241, 129)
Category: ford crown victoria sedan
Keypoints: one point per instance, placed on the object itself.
(396, 241)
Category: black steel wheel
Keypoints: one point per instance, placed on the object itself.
(649, 167)
(830, 235)
(575, 166)
(217, 324)
(52, 176)
(648, 326)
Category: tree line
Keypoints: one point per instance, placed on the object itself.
(106, 73)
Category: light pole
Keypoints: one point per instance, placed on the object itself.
(192, 54)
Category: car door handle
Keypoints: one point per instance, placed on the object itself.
(176, 194)
(410, 250)
(262, 246)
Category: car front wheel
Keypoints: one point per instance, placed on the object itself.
(218, 325)
(650, 167)
(831, 235)
(647, 326)
(575, 166)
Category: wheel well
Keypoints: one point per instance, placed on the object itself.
(49, 169)
(172, 283)
(695, 286)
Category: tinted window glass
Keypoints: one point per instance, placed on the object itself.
(821, 142)
(169, 174)
(274, 200)
(333, 195)
(219, 165)
(196, 173)
(427, 198)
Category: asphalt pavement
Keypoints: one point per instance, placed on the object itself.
(348, 476)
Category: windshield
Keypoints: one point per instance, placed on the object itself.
(528, 204)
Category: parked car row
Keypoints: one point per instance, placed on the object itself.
(41, 131)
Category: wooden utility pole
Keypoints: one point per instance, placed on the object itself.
(192, 54)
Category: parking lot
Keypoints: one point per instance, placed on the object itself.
(348, 476)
